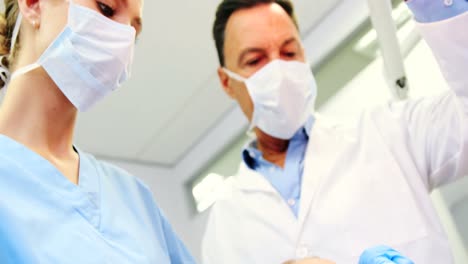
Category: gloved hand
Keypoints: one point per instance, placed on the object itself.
(427, 11)
(383, 255)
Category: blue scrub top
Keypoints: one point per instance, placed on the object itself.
(110, 217)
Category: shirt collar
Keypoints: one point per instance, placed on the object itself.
(251, 155)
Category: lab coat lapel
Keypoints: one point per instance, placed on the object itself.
(250, 180)
(272, 209)
(321, 153)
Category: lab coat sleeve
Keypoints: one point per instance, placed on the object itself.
(441, 124)
(223, 231)
(215, 246)
(448, 40)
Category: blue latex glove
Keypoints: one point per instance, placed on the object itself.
(426, 11)
(383, 255)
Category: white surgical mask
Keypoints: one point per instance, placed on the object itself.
(283, 94)
(90, 58)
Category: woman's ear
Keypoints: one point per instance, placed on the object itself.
(31, 12)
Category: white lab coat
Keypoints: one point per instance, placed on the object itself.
(362, 186)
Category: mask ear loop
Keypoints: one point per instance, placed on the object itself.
(234, 75)
(250, 130)
(15, 34)
(14, 39)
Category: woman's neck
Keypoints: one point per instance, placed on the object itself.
(35, 113)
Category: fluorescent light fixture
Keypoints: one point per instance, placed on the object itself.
(366, 41)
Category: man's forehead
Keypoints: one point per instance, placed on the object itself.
(262, 23)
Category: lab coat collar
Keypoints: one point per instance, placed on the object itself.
(324, 144)
(251, 181)
(309, 124)
(248, 179)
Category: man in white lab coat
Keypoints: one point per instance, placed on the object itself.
(309, 188)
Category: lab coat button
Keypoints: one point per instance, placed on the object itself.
(291, 202)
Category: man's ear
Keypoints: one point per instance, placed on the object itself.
(226, 83)
(31, 12)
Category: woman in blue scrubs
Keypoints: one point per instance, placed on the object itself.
(59, 204)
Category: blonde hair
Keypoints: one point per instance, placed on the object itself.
(7, 25)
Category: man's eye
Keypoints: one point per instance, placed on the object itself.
(106, 10)
(290, 54)
(253, 62)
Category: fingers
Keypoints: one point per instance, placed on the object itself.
(383, 255)
(402, 260)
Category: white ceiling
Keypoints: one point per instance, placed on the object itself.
(173, 100)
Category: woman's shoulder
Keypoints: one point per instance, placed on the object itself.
(112, 173)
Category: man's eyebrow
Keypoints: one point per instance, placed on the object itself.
(289, 41)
